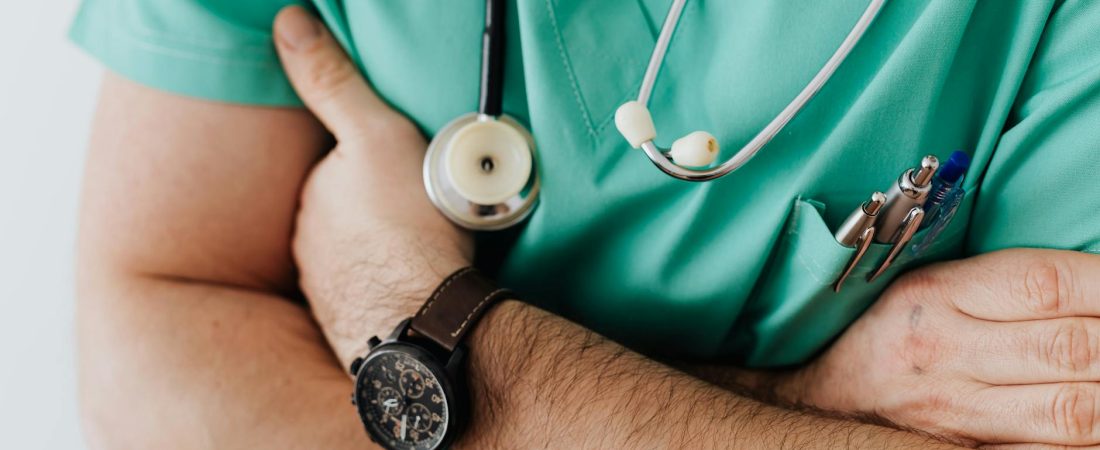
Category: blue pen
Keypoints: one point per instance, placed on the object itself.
(949, 175)
(943, 199)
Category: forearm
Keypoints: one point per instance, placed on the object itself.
(538, 380)
(541, 381)
(186, 218)
(389, 280)
(179, 364)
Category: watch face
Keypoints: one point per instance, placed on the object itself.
(402, 401)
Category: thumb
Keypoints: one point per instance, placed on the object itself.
(325, 78)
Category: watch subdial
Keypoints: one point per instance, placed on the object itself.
(412, 383)
(421, 417)
(390, 401)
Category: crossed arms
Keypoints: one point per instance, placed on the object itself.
(191, 334)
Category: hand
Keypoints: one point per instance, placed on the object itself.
(1000, 348)
(369, 244)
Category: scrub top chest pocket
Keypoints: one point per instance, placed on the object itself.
(794, 299)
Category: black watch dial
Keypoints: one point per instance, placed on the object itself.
(402, 402)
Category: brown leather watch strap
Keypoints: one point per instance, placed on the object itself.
(455, 306)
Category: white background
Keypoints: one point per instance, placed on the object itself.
(47, 92)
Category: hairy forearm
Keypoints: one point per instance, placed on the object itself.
(171, 363)
(541, 381)
(390, 279)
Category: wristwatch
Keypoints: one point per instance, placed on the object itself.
(410, 389)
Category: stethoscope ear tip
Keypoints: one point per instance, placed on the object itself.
(635, 123)
(697, 149)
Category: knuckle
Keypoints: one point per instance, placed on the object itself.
(1044, 286)
(1074, 412)
(1071, 346)
(923, 349)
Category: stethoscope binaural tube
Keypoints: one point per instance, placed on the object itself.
(479, 169)
(699, 149)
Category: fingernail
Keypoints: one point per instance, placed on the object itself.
(297, 28)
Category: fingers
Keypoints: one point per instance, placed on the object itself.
(1030, 352)
(1059, 414)
(325, 78)
(1022, 284)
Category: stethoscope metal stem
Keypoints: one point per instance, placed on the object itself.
(661, 160)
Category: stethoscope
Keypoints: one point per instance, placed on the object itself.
(480, 168)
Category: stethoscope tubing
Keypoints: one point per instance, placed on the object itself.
(491, 96)
(656, 60)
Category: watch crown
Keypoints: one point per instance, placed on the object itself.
(373, 341)
(352, 397)
(358, 362)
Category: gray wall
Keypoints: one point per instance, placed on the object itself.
(47, 90)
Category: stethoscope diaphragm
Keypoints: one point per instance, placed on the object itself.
(479, 171)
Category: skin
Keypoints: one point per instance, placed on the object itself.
(190, 337)
(1017, 364)
(187, 331)
(943, 352)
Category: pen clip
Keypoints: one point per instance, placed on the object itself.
(862, 244)
(909, 226)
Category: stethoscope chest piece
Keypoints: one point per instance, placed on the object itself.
(480, 172)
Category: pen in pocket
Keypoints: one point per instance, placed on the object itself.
(910, 191)
(858, 231)
(922, 197)
(904, 210)
(944, 200)
(943, 185)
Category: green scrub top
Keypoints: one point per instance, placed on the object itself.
(739, 269)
